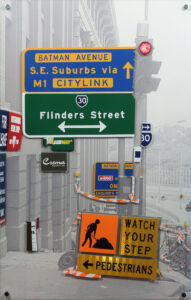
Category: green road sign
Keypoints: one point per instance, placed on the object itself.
(78, 115)
(59, 144)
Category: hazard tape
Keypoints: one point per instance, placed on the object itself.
(168, 229)
(186, 248)
(178, 240)
(174, 244)
(115, 201)
(163, 258)
(2, 221)
(78, 217)
(75, 273)
(162, 228)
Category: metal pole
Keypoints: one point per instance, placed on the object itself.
(139, 102)
(146, 9)
(121, 160)
(159, 176)
(77, 181)
(186, 243)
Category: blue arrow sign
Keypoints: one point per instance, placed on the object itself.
(146, 136)
(78, 69)
(146, 127)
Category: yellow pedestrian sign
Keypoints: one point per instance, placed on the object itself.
(118, 266)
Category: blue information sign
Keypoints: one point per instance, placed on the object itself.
(128, 166)
(78, 69)
(106, 179)
(2, 188)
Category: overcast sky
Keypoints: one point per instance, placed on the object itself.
(170, 28)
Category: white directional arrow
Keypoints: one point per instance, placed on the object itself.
(63, 127)
(146, 127)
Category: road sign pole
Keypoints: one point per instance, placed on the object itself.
(121, 160)
(142, 178)
(137, 140)
(144, 83)
(140, 115)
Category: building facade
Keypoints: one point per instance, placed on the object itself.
(31, 194)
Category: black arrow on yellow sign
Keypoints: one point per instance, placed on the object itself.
(86, 264)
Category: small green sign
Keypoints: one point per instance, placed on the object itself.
(59, 144)
(78, 115)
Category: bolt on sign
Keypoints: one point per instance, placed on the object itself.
(75, 69)
(117, 266)
(98, 233)
(106, 179)
(139, 236)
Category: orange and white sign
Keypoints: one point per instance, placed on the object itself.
(98, 233)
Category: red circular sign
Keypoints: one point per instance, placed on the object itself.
(145, 48)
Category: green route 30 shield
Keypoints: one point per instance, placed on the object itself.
(78, 115)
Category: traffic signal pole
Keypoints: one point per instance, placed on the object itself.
(140, 116)
(144, 83)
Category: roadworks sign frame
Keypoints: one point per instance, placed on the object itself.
(143, 232)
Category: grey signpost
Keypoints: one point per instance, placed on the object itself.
(144, 83)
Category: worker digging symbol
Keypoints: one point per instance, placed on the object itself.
(101, 243)
(98, 233)
(91, 229)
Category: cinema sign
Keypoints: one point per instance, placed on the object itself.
(54, 162)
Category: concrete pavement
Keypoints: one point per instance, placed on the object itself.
(36, 277)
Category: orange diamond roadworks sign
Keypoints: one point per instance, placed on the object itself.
(98, 233)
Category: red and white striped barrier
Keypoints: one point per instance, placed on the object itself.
(75, 273)
(115, 201)
(179, 240)
(162, 228)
